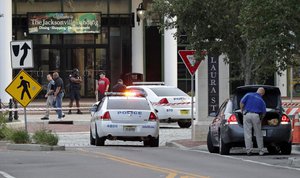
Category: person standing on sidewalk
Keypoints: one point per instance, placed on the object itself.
(75, 81)
(49, 96)
(58, 95)
(253, 108)
(102, 87)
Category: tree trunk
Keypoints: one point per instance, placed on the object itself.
(247, 69)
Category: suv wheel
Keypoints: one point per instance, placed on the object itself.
(184, 123)
(224, 148)
(211, 148)
(273, 149)
(286, 148)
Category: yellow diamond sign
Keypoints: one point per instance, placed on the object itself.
(23, 88)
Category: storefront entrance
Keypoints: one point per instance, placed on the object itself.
(89, 60)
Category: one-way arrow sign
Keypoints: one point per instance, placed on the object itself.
(21, 54)
(189, 60)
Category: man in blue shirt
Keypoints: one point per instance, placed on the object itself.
(254, 108)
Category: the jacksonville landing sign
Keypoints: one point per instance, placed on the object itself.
(63, 23)
(213, 84)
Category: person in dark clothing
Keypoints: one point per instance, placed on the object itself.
(119, 87)
(75, 81)
(58, 94)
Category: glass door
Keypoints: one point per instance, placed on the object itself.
(89, 61)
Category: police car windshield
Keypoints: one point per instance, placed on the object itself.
(135, 104)
(168, 91)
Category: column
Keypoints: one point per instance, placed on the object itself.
(6, 37)
(281, 83)
(137, 42)
(200, 127)
(170, 57)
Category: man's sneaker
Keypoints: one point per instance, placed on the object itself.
(63, 115)
(249, 153)
(45, 118)
(79, 112)
(261, 153)
(70, 112)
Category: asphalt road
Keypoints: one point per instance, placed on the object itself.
(135, 161)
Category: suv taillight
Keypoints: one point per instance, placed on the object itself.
(163, 101)
(232, 120)
(105, 116)
(152, 117)
(285, 119)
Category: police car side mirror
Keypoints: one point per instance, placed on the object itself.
(93, 109)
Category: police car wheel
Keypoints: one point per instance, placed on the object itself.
(99, 140)
(92, 140)
(146, 143)
(184, 123)
(154, 142)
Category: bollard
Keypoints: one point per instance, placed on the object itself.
(16, 116)
(10, 105)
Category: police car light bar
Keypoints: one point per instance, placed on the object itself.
(124, 94)
(148, 83)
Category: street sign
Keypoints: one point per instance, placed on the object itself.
(189, 60)
(21, 54)
(23, 88)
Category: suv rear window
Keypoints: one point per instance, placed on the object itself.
(168, 92)
(134, 104)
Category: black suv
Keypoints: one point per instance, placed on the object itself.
(226, 130)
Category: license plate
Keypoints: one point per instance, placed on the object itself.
(129, 128)
(184, 112)
(263, 132)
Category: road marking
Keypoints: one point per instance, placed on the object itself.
(171, 173)
(4, 174)
(250, 161)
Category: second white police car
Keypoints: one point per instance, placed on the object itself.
(124, 116)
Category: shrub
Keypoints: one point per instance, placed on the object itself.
(45, 137)
(19, 136)
(3, 128)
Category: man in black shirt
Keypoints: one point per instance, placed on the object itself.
(58, 94)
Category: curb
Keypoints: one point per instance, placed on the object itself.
(175, 145)
(34, 147)
(294, 162)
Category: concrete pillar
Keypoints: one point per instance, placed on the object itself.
(282, 83)
(170, 57)
(137, 42)
(6, 37)
(200, 127)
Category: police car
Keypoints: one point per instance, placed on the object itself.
(124, 116)
(172, 104)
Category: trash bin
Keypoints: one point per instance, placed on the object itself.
(132, 77)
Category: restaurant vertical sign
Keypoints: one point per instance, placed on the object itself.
(64, 23)
(213, 84)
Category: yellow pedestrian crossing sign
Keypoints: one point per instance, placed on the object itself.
(23, 88)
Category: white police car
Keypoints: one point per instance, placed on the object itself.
(172, 104)
(124, 116)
